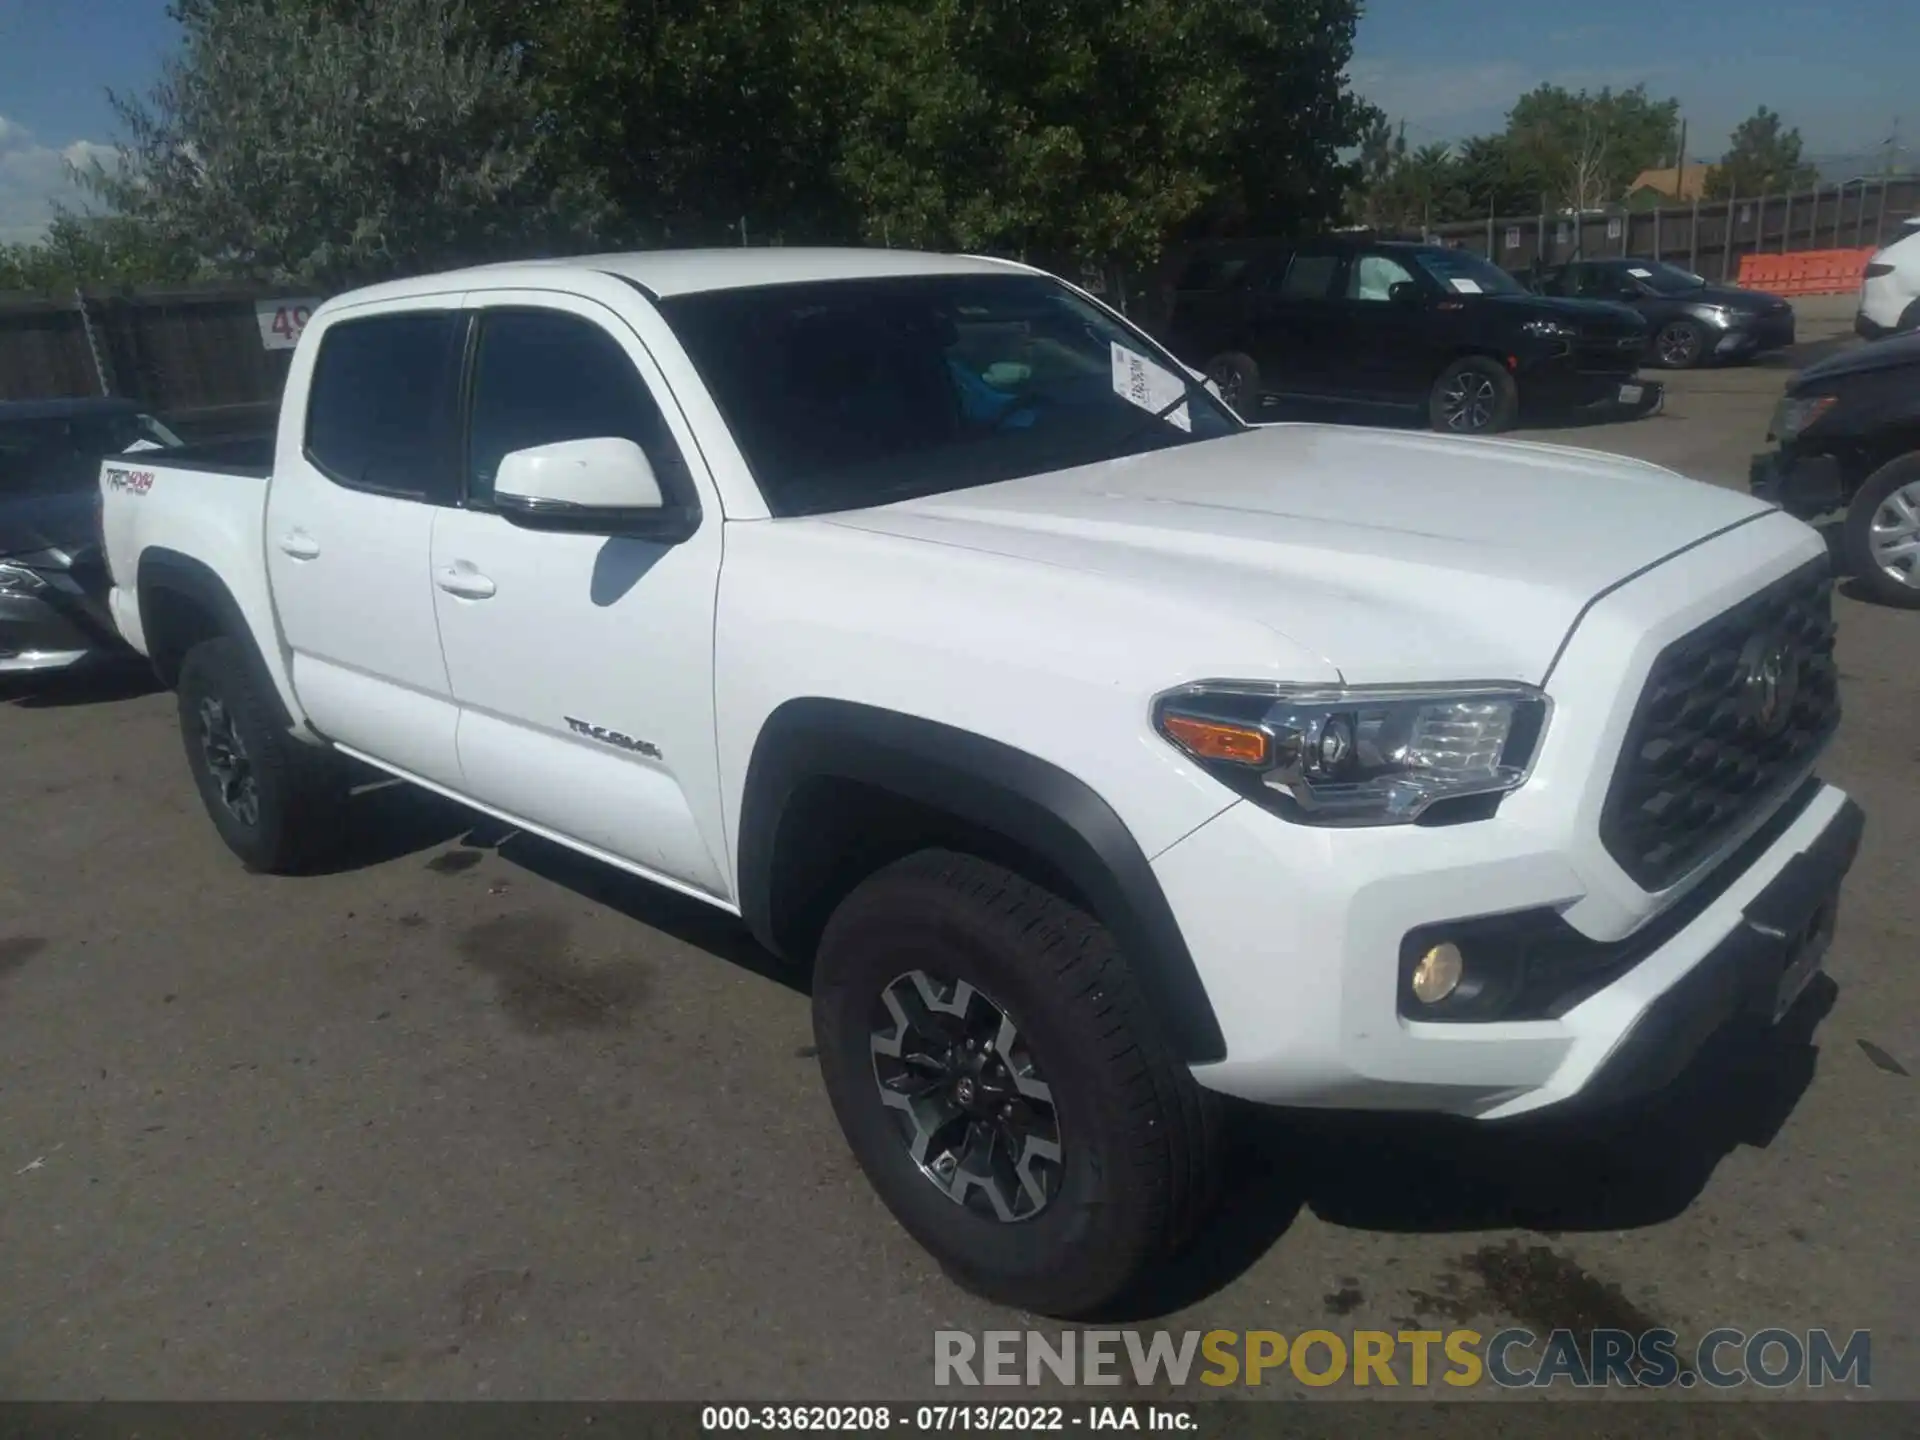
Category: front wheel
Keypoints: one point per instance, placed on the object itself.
(276, 802)
(1003, 1085)
(1881, 534)
(1473, 396)
(1680, 345)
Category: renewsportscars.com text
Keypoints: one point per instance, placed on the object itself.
(1511, 1359)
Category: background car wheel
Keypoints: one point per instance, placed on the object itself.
(1004, 1087)
(1237, 379)
(276, 802)
(1881, 534)
(1680, 345)
(1473, 396)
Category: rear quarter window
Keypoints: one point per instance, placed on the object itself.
(381, 404)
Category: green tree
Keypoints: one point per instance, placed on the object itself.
(1763, 158)
(1586, 147)
(330, 142)
(93, 250)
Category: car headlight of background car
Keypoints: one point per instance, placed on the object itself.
(17, 579)
(1370, 755)
(1721, 317)
(1549, 330)
(1793, 416)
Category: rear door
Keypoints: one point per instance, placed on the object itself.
(359, 474)
(1302, 334)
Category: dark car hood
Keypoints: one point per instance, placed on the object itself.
(1892, 354)
(63, 521)
(1729, 295)
(1600, 315)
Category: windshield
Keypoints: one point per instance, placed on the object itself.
(850, 393)
(1463, 273)
(1666, 279)
(63, 452)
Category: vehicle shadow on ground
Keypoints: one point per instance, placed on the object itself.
(96, 685)
(1636, 1166)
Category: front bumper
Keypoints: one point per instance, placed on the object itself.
(1299, 933)
(1574, 380)
(1802, 485)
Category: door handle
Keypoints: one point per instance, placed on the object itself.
(464, 581)
(300, 545)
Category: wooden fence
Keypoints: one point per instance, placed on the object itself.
(208, 359)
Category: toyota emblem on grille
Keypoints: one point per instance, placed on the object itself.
(1771, 684)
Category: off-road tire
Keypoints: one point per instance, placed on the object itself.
(1139, 1139)
(299, 791)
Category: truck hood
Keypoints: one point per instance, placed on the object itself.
(1390, 557)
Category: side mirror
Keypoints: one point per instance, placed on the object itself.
(1404, 292)
(602, 486)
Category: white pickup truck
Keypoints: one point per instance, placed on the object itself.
(1100, 752)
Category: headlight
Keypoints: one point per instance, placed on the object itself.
(1723, 316)
(1549, 330)
(19, 580)
(1792, 417)
(1371, 755)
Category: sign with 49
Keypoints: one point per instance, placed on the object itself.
(281, 321)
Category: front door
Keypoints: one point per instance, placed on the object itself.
(1389, 340)
(583, 664)
(359, 477)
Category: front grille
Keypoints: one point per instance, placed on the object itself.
(1608, 356)
(1705, 751)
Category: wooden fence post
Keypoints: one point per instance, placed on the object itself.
(1786, 224)
(1726, 235)
(1693, 237)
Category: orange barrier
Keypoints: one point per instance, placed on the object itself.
(1806, 272)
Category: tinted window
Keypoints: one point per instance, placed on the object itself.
(850, 393)
(1465, 273)
(380, 408)
(1374, 276)
(542, 377)
(1310, 277)
(1212, 272)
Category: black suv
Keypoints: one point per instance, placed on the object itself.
(1693, 320)
(1398, 324)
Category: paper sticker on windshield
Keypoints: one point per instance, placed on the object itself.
(1465, 287)
(1637, 271)
(1139, 381)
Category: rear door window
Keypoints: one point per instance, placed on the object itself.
(380, 407)
(1311, 277)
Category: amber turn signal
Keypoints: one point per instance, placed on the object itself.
(1211, 740)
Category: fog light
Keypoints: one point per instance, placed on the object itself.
(1437, 974)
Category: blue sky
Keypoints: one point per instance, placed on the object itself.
(1835, 70)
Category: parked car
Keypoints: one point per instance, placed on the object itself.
(1102, 752)
(1417, 327)
(1692, 320)
(53, 582)
(1890, 289)
(1848, 433)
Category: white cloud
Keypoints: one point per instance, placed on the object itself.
(33, 176)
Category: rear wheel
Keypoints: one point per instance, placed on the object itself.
(1473, 396)
(1881, 533)
(1004, 1087)
(1237, 378)
(1680, 344)
(276, 802)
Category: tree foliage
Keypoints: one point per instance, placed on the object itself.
(1763, 157)
(331, 140)
(93, 250)
(1559, 150)
(326, 140)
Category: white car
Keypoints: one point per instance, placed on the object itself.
(1890, 290)
(1103, 754)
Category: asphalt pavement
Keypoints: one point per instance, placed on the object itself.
(470, 1118)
